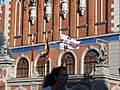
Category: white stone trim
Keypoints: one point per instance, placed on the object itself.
(29, 64)
(115, 13)
(7, 19)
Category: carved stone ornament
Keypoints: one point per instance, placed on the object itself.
(102, 52)
(2, 72)
(48, 11)
(32, 14)
(20, 88)
(34, 87)
(102, 69)
(64, 8)
(82, 7)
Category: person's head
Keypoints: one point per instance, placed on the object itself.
(58, 75)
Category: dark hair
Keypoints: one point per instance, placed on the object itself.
(49, 78)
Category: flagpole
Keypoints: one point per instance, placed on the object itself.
(46, 36)
(45, 67)
(32, 55)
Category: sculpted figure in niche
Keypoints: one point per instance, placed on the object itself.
(102, 52)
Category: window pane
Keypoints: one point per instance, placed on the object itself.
(68, 60)
(41, 66)
(89, 61)
(22, 68)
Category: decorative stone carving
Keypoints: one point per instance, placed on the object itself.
(64, 6)
(4, 49)
(34, 87)
(82, 7)
(102, 52)
(32, 2)
(2, 72)
(102, 69)
(21, 88)
(48, 11)
(90, 47)
(32, 12)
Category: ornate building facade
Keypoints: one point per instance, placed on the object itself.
(94, 66)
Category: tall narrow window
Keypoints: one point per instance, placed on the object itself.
(89, 61)
(22, 68)
(68, 60)
(17, 22)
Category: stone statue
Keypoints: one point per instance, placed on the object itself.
(102, 52)
(4, 49)
(32, 2)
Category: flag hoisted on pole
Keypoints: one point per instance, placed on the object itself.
(67, 42)
(46, 50)
(32, 48)
(32, 55)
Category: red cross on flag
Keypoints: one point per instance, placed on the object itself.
(67, 42)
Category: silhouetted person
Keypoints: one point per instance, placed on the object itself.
(56, 80)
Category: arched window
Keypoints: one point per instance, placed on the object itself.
(89, 61)
(68, 60)
(22, 68)
(42, 66)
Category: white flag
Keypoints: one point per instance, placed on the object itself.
(67, 42)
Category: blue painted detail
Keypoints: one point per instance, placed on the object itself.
(36, 48)
(88, 41)
(110, 38)
(2, 1)
(26, 49)
(56, 45)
